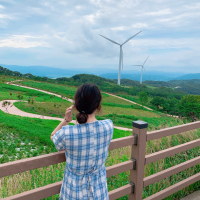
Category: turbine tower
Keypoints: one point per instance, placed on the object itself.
(120, 54)
(142, 67)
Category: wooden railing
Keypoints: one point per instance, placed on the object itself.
(135, 165)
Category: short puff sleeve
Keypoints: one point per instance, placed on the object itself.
(59, 139)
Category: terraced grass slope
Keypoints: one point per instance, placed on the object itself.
(120, 111)
(13, 92)
(31, 136)
(25, 137)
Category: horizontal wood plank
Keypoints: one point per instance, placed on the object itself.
(120, 192)
(174, 188)
(52, 189)
(171, 151)
(27, 164)
(23, 165)
(38, 193)
(172, 130)
(122, 142)
(171, 171)
(119, 168)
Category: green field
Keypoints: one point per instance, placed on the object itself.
(22, 137)
(65, 91)
(11, 92)
(31, 136)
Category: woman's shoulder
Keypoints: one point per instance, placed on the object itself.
(106, 122)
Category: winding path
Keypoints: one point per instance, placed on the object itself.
(11, 109)
(128, 100)
(73, 101)
(15, 111)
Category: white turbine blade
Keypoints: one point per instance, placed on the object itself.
(145, 60)
(131, 37)
(110, 40)
(122, 58)
(144, 69)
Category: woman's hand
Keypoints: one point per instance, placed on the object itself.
(68, 114)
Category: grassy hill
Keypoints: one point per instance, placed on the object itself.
(22, 137)
(26, 137)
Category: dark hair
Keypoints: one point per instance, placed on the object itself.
(87, 100)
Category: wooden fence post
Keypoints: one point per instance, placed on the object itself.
(138, 153)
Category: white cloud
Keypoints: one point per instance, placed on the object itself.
(72, 28)
(136, 25)
(119, 28)
(139, 25)
(22, 41)
(63, 3)
(2, 7)
(160, 12)
(167, 43)
(2, 16)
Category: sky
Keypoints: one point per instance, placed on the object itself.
(65, 33)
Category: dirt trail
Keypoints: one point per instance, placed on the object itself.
(71, 99)
(127, 100)
(57, 95)
(15, 111)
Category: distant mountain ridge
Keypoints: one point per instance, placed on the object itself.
(188, 77)
(136, 77)
(181, 86)
(145, 77)
(52, 72)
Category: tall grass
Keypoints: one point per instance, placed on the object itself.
(39, 177)
(67, 91)
(11, 92)
(18, 132)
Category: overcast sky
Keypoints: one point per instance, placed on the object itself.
(65, 33)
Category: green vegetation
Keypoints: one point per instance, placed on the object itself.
(32, 137)
(189, 107)
(16, 93)
(65, 91)
(187, 86)
(112, 112)
(143, 98)
(114, 100)
(22, 137)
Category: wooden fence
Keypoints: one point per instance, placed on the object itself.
(135, 165)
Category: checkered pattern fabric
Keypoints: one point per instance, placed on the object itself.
(86, 150)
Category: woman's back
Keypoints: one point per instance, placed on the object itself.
(86, 148)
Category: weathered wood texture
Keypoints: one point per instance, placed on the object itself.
(171, 151)
(52, 189)
(171, 171)
(172, 130)
(27, 164)
(174, 188)
(138, 153)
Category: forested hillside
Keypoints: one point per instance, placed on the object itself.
(189, 86)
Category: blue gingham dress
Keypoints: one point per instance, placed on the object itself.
(86, 150)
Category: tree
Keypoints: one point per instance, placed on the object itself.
(143, 97)
(189, 107)
(6, 104)
(156, 101)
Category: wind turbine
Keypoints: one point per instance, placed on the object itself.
(142, 67)
(120, 54)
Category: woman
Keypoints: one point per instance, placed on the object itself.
(86, 147)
